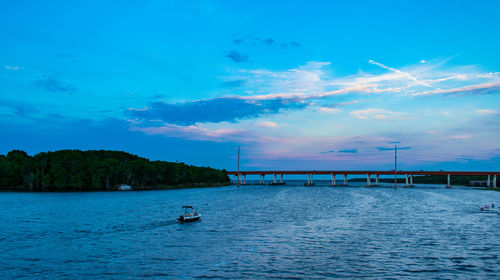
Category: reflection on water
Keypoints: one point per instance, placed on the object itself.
(254, 232)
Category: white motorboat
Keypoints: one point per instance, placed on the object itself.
(190, 215)
(487, 208)
(125, 188)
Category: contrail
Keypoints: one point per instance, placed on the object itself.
(400, 72)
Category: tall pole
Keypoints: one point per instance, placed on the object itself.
(395, 166)
(238, 184)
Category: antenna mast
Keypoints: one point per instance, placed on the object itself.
(395, 166)
(238, 184)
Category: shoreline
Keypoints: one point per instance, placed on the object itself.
(162, 188)
(225, 184)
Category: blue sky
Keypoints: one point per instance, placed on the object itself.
(296, 84)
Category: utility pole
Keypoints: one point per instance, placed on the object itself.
(395, 166)
(238, 184)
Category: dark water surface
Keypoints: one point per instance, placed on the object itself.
(254, 232)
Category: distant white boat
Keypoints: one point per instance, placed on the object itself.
(125, 188)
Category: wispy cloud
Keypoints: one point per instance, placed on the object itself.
(313, 80)
(250, 41)
(268, 41)
(392, 148)
(205, 132)
(379, 114)
(53, 84)
(329, 110)
(302, 112)
(237, 56)
(267, 124)
(21, 109)
(474, 89)
(461, 136)
(212, 110)
(11, 67)
(400, 72)
(192, 132)
(487, 112)
(352, 151)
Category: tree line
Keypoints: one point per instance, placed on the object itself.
(75, 170)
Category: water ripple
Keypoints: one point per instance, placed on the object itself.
(255, 232)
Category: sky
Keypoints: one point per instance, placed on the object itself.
(296, 84)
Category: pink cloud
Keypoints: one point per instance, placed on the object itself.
(192, 132)
(379, 114)
(267, 124)
(198, 132)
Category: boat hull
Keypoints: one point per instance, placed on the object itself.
(188, 220)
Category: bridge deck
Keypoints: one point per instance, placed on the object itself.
(364, 172)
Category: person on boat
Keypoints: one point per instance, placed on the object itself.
(492, 205)
(196, 213)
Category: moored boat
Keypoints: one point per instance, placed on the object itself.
(125, 188)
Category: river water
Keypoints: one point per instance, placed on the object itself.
(254, 232)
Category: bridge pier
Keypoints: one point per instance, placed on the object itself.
(495, 180)
(409, 183)
(488, 182)
(274, 183)
(368, 180)
(261, 179)
(345, 179)
(333, 179)
(448, 186)
(310, 181)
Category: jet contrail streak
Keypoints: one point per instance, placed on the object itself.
(400, 72)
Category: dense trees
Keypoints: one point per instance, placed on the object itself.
(75, 170)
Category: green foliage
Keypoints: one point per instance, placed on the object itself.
(75, 170)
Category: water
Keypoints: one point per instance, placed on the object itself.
(255, 232)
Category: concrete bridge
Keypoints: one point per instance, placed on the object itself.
(240, 176)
